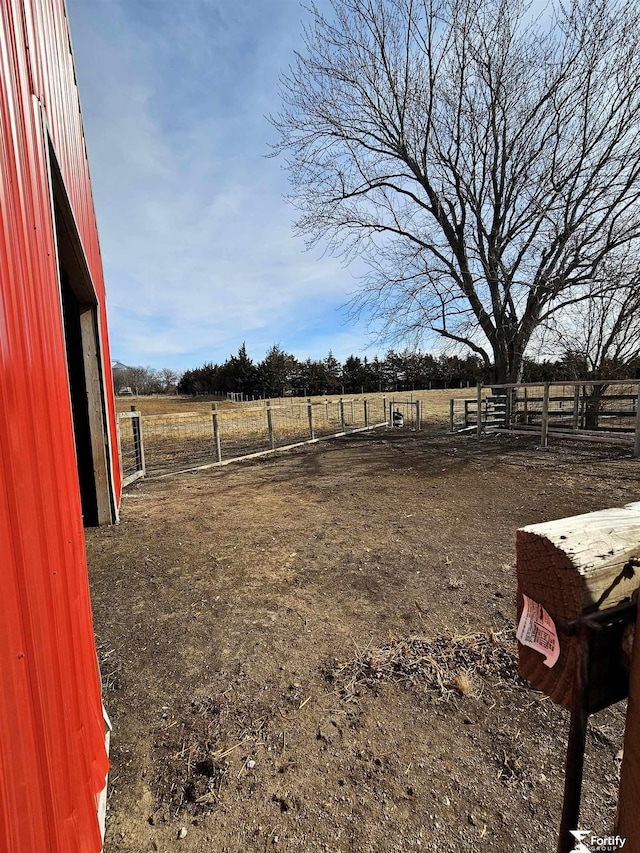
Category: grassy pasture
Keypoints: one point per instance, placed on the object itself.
(435, 403)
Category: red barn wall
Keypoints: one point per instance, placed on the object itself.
(52, 756)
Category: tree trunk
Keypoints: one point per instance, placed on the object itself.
(593, 404)
(506, 368)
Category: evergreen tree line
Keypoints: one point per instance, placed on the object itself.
(280, 373)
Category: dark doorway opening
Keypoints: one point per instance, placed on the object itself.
(86, 386)
(79, 405)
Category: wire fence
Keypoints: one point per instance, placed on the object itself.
(172, 442)
(132, 461)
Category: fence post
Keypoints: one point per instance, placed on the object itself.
(138, 443)
(216, 432)
(366, 412)
(326, 410)
(342, 414)
(384, 406)
(479, 404)
(272, 441)
(418, 414)
(526, 406)
(353, 413)
(452, 412)
(576, 407)
(310, 416)
(544, 436)
(636, 444)
(630, 770)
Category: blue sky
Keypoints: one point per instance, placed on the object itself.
(196, 239)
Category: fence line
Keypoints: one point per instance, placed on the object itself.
(162, 444)
(406, 413)
(132, 461)
(587, 410)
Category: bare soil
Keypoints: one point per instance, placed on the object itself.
(315, 651)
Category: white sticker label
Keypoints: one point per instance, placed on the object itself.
(536, 630)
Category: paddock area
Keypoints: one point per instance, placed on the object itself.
(607, 412)
(315, 650)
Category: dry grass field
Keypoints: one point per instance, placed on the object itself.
(435, 403)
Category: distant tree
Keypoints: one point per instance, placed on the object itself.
(601, 340)
(312, 379)
(239, 374)
(201, 380)
(333, 370)
(486, 164)
(169, 380)
(277, 372)
(142, 380)
(600, 337)
(394, 370)
(376, 375)
(354, 375)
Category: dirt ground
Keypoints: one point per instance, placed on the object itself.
(315, 651)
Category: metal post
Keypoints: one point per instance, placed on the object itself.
(138, 444)
(575, 747)
(526, 406)
(353, 413)
(272, 441)
(544, 436)
(384, 408)
(366, 412)
(479, 403)
(451, 413)
(636, 444)
(417, 414)
(342, 414)
(216, 432)
(310, 416)
(576, 407)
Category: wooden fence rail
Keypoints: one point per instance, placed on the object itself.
(588, 410)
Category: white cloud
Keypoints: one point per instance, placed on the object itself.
(196, 240)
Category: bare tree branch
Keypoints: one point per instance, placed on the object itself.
(485, 163)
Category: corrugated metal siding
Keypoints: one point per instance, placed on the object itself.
(52, 757)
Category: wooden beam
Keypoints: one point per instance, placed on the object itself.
(95, 404)
(572, 567)
(544, 436)
(636, 444)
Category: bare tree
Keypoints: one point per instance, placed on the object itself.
(169, 379)
(600, 336)
(485, 163)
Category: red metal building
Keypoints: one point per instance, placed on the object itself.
(59, 465)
